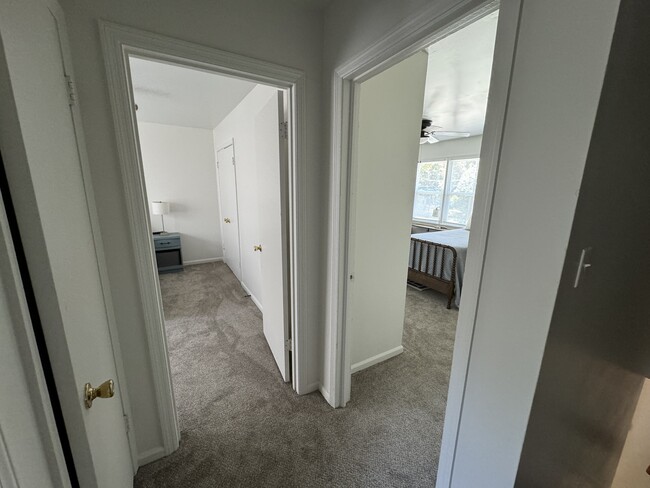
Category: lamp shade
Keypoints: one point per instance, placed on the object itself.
(159, 208)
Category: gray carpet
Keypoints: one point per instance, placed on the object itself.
(242, 426)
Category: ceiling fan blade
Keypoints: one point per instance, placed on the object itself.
(432, 139)
(451, 133)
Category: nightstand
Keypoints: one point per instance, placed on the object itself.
(169, 256)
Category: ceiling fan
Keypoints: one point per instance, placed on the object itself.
(429, 134)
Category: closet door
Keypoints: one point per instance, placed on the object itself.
(52, 197)
(227, 176)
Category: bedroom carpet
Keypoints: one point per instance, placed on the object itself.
(241, 426)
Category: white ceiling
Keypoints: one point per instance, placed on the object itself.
(175, 95)
(458, 77)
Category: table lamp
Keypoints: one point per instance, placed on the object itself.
(162, 209)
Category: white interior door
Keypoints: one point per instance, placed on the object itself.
(386, 145)
(46, 178)
(226, 170)
(271, 150)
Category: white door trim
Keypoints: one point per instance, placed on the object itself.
(432, 23)
(118, 43)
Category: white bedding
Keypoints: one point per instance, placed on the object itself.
(458, 239)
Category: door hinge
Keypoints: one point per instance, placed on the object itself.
(287, 345)
(71, 88)
(127, 424)
(233, 160)
(284, 130)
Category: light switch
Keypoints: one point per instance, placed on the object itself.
(583, 265)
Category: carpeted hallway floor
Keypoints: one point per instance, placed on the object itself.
(241, 426)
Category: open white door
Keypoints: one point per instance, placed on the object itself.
(46, 179)
(227, 177)
(271, 149)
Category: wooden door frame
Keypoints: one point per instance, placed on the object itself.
(120, 42)
(435, 22)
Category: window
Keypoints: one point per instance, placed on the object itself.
(444, 191)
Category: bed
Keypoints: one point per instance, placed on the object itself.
(437, 261)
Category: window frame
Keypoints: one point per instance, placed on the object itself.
(440, 223)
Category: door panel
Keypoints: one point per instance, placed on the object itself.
(271, 150)
(47, 184)
(229, 209)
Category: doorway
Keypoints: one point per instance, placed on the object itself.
(378, 61)
(416, 140)
(120, 45)
(212, 154)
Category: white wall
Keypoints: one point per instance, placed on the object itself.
(597, 355)
(283, 32)
(545, 143)
(466, 146)
(180, 168)
(562, 51)
(383, 205)
(239, 126)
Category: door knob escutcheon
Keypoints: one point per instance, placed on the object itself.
(105, 390)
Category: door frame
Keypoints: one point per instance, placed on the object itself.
(119, 42)
(433, 23)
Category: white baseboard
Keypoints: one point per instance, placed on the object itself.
(202, 261)
(255, 300)
(366, 363)
(326, 394)
(151, 455)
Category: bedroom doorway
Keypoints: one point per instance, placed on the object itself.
(122, 46)
(415, 145)
(213, 157)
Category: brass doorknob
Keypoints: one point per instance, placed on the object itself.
(105, 390)
(257, 248)
(227, 221)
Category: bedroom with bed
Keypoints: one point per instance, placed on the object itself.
(409, 223)
(442, 212)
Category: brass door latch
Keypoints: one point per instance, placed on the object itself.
(257, 248)
(105, 390)
(226, 220)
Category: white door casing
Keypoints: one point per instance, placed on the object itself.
(51, 191)
(229, 208)
(272, 156)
